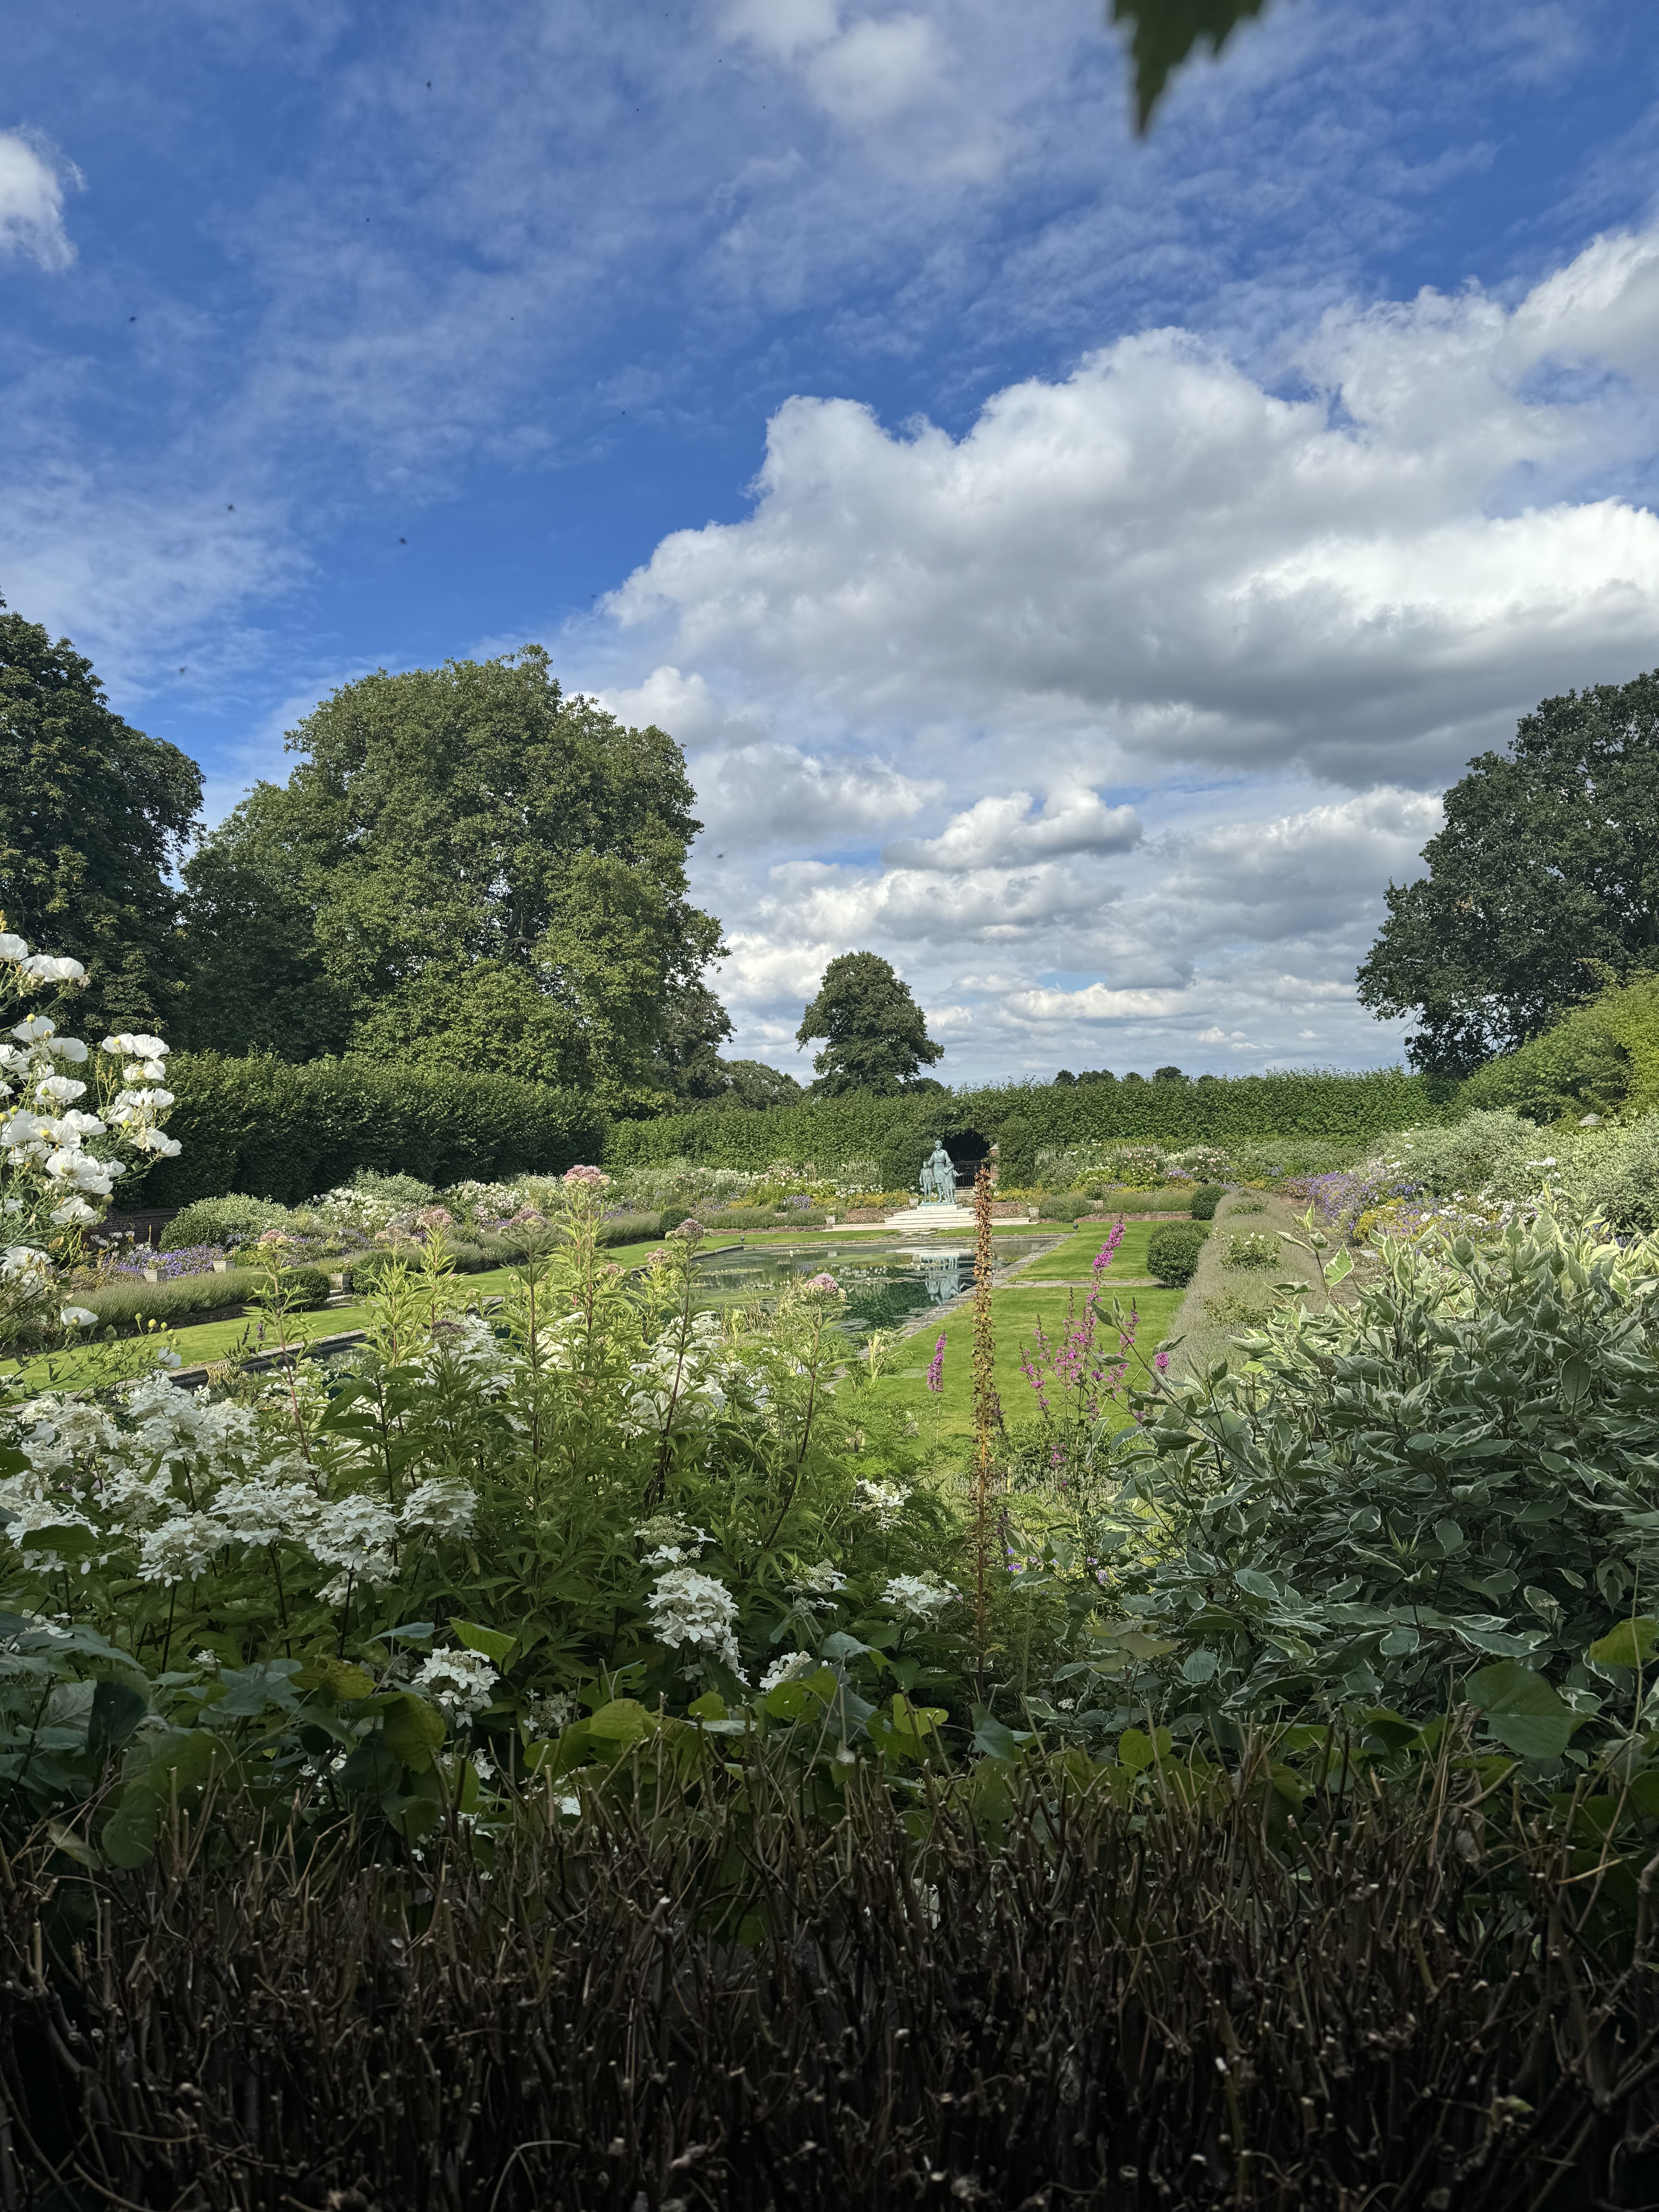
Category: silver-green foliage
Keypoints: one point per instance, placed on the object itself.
(1456, 1468)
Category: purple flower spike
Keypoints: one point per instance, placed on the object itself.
(936, 1368)
(1161, 1361)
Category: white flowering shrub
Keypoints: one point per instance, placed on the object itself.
(471, 1534)
(73, 1121)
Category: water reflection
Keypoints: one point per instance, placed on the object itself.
(886, 1285)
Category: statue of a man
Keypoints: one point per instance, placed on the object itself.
(939, 1176)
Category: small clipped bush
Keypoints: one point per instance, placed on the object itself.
(305, 1289)
(671, 1218)
(365, 1273)
(1066, 1208)
(224, 1221)
(405, 1192)
(1205, 1198)
(1172, 1252)
(1247, 1251)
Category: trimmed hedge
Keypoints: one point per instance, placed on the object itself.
(1172, 1252)
(275, 1130)
(899, 1131)
(1206, 1200)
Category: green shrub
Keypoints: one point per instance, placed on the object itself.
(1247, 1251)
(405, 1192)
(1246, 1205)
(127, 1304)
(1205, 1198)
(1172, 1252)
(304, 1289)
(1453, 1470)
(740, 1218)
(1017, 1153)
(363, 1274)
(1313, 1120)
(1066, 1207)
(286, 1131)
(671, 1218)
(629, 1229)
(232, 1221)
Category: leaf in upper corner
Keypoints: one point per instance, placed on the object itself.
(1166, 32)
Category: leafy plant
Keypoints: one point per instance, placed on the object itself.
(1172, 1251)
(1252, 1251)
(1205, 1198)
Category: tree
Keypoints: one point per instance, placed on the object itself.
(466, 868)
(752, 1083)
(876, 1036)
(1543, 888)
(94, 817)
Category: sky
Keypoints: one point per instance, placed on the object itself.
(1073, 564)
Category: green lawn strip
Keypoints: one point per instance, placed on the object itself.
(1073, 1260)
(1016, 1311)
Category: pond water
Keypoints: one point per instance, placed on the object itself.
(887, 1283)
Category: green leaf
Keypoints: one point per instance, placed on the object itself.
(995, 1739)
(1256, 1584)
(1449, 1537)
(129, 1835)
(1198, 1666)
(1137, 1750)
(413, 1730)
(337, 1677)
(1522, 1710)
(117, 1710)
(625, 1720)
(489, 1643)
(1631, 1643)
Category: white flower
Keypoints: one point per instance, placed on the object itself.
(443, 1504)
(60, 1089)
(73, 1213)
(691, 1608)
(459, 1683)
(49, 967)
(882, 1501)
(551, 1715)
(13, 948)
(264, 1512)
(821, 1581)
(356, 1534)
(916, 1596)
(787, 1669)
(180, 1549)
(78, 1317)
(668, 1542)
(32, 1031)
(69, 1048)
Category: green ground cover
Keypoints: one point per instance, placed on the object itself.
(1072, 1261)
(1017, 1312)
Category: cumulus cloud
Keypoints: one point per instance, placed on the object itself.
(1368, 573)
(32, 177)
(997, 833)
(875, 69)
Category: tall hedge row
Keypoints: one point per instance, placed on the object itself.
(278, 1131)
(825, 1131)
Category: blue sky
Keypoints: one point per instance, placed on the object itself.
(1073, 564)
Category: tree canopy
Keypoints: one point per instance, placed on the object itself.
(1543, 888)
(1164, 35)
(93, 816)
(876, 1036)
(752, 1083)
(467, 868)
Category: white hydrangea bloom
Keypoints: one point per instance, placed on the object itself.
(459, 1683)
(444, 1504)
(918, 1597)
(882, 1501)
(786, 1670)
(180, 1549)
(688, 1608)
(824, 1580)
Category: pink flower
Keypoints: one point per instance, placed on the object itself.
(595, 1178)
(1161, 1361)
(690, 1230)
(936, 1368)
(823, 1282)
(434, 1217)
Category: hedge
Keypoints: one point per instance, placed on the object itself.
(822, 1131)
(276, 1130)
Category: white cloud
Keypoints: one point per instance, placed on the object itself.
(1162, 558)
(782, 26)
(876, 69)
(996, 833)
(32, 175)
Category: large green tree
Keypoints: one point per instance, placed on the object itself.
(1543, 888)
(876, 1036)
(94, 817)
(467, 868)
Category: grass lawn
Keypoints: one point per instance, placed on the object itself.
(1016, 1311)
(1073, 1260)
